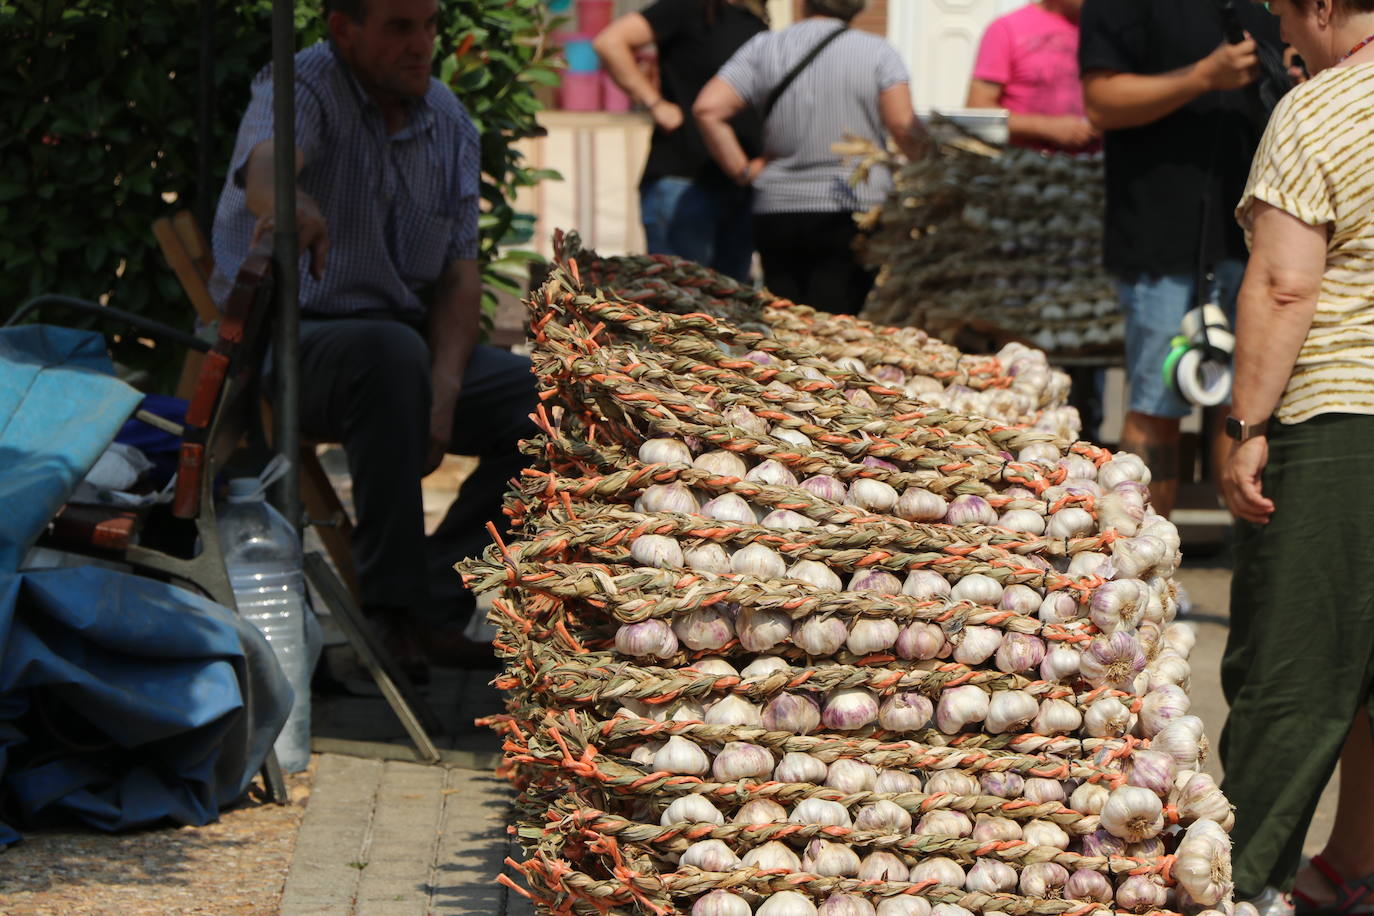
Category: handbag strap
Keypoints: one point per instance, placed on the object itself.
(795, 72)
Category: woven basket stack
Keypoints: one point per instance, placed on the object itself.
(1001, 243)
(782, 636)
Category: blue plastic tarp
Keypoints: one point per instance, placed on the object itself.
(124, 701)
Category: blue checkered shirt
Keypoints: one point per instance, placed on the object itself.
(399, 207)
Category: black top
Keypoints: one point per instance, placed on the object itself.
(692, 46)
(1157, 174)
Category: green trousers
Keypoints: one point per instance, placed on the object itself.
(1297, 666)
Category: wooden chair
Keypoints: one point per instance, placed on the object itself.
(189, 256)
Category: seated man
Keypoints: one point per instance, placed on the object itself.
(387, 164)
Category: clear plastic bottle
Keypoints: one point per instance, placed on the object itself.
(263, 556)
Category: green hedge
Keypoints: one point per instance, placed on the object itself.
(100, 100)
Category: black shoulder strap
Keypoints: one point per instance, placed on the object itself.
(795, 72)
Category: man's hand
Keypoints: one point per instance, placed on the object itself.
(667, 115)
(1240, 481)
(312, 232)
(441, 422)
(1231, 66)
(1070, 132)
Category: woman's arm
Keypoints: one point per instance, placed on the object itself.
(714, 107)
(1273, 315)
(899, 118)
(1065, 131)
(616, 45)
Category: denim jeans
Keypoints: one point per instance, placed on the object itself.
(709, 224)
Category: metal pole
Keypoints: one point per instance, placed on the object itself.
(205, 158)
(286, 341)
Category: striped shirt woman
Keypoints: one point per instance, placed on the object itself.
(804, 200)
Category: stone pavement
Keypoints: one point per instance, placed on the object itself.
(394, 838)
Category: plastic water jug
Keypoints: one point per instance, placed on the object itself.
(263, 555)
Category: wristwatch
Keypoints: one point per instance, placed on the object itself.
(1241, 431)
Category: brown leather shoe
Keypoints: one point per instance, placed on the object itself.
(448, 647)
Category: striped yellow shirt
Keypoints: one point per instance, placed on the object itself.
(1316, 161)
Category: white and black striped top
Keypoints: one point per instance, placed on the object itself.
(836, 95)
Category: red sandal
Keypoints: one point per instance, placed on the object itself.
(1353, 895)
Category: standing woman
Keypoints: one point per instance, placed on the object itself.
(1300, 654)
(804, 202)
(688, 206)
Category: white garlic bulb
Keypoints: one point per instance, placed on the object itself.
(977, 589)
(704, 628)
(882, 866)
(758, 561)
(760, 629)
(1161, 706)
(1044, 833)
(904, 905)
(819, 634)
(721, 903)
(759, 811)
(1056, 717)
(1203, 862)
(820, 812)
(815, 573)
(925, 583)
(798, 766)
(658, 551)
(977, 644)
(1198, 797)
(868, 635)
(678, 755)
(650, 638)
(829, 859)
(665, 451)
(786, 903)
(895, 782)
(851, 776)
(1040, 790)
(1141, 894)
(849, 708)
(741, 760)
(943, 822)
(943, 871)
(707, 557)
(883, 816)
(1153, 770)
(960, 706)
(691, 809)
(710, 855)
(990, 876)
(1089, 798)
(721, 462)
(989, 829)
(793, 713)
(771, 855)
(764, 665)
(667, 497)
(733, 710)
(1010, 710)
(1183, 740)
(920, 640)
(1107, 717)
(1132, 813)
(838, 904)
(1043, 879)
(905, 712)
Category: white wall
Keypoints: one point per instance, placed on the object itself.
(938, 40)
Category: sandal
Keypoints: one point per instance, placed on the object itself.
(1353, 896)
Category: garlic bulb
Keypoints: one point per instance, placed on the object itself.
(978, 589)
(1141, 894)
(1043, 879)
(1107, 718)
(1102, 843)
(904, 905)
(951, 782)
(772, 855)
(960, 706)
(819, 812)
(1116, 512)
(786, 520)
(760, 629)
(1019, 652)
(1020, 599)
(851, 776)
(1118, 604)
(873, 495)
(1070, 522)
(665, 451)
(708, 557)
(849, 709)
(977, 644)
(1059, 664)
(657, 550)
(1044, 833)
(823, 486)
(944, 872)
(1027, 521)
(667, 497)
(1123, 467)
(1152, 848)
(1138, 556)
(882, 866)
(760, 811)
(758, 561)
(990, 876)
(1153, 770)
(786, 903)
(920, 641)
(1112, 661)
(1089, 563)
(763, 666)
(729, 507)
(792, 436)
(1161, 706)
(1169, 668)
(1088, 885)
(815, 573)
(895, 782)
(650, 638)
(772, 472)
(733, 710)
(1181, 637)
(988, 829)
(868, 635)
(829, 859)
(710, 855)
(685, 710)
(905, 712)
(883, 816)
(678, 755)
(691, 809)
(1198, 797)
(968, 509)
(1058, 607)
(793, 713)
(949, 909)
(1089, 798)
(925, 583)
(1056, 717)
(741, 760)
(1040, 790)
(721, 903)
(1005, 784)
(875, 580)
(1182, 739)
(704, 628)
(1203, 863)
(644, 754)
(918, 505)
(819, 634)
(1010, 710)
(838, 904)
(746, 420)
(944, 823)
(1132, 813)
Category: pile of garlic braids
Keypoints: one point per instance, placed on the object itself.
(773, 647)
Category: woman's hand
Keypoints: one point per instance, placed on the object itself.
(1240, 481)
(667, 115)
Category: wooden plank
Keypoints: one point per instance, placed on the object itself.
(188, 274)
